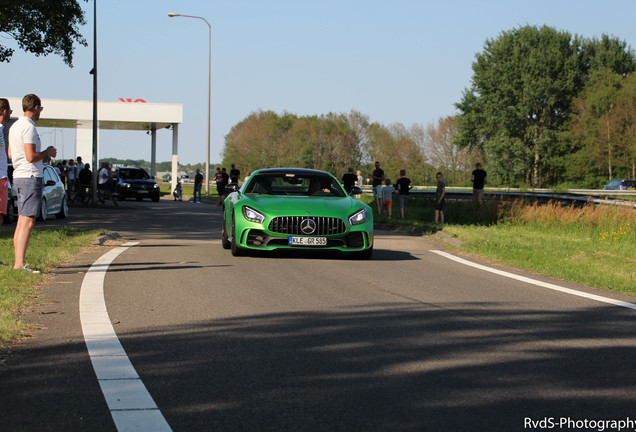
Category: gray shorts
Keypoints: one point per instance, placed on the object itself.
(404, 199)
(29, 195)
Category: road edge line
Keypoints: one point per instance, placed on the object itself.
(130, 404)
(536, 282)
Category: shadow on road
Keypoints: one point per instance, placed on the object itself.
(391, 367)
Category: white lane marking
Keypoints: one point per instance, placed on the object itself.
(130, 404)
(536, 282)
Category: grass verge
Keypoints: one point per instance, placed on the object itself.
(47, 249)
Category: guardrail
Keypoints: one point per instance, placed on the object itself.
(541, 195)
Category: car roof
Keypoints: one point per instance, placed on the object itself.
(297, 171)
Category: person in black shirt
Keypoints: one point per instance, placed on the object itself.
(479, 178)
(85, 179)
(349, 180)
(198, 183)
(404, 184)
(378, 179)
(234, 174)
(225, 179)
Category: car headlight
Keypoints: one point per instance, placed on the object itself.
(358, 217)
(156, 186)
(252, 215)
(126, 185)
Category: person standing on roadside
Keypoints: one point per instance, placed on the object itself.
(404, 185)
(78, 170)
(71, 173)
(378, 179)
(28, 171)
(439, 198)
(359, 179)
(235, 173)
(85, 178)
(5, 115)
(349, 180)
(387, 197)
(479, 179)
(198, 183)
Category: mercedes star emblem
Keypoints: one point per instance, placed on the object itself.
(308, 226)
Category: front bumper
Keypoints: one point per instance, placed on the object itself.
(133, 192)
(352, 241)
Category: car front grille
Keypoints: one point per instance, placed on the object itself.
(140, 186)
(291, 225)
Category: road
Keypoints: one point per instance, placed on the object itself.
(408, 341)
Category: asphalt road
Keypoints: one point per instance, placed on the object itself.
(408, 341)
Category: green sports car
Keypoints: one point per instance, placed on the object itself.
(294, 208)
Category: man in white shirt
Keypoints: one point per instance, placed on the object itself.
(5, 115)
(28, 170)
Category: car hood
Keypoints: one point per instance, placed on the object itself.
(274, 205)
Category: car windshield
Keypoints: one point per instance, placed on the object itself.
(133, 174)
(292, 183)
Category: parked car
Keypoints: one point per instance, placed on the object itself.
(293, 208)
(136, 183)
(54, 199)
(12, 206)
(621, 184)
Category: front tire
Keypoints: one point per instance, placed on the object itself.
(362, 255)
(44, 211)
(225, 241)
(9, 218)
(63, 214)
(236, 249)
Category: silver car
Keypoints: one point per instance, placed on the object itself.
(54, 199)
(12, 205)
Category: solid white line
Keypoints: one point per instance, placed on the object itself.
(536, 282)
(130, 404)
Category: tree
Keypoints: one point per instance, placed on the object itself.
(41, 27)
(444, 154)
(523, 87)
(602, 127)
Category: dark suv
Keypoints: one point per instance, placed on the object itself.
(136, 183)
(621, 185)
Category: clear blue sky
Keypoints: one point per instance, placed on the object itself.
(397, 62)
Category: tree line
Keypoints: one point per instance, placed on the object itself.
(544, 108)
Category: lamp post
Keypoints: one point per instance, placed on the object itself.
(207, 148)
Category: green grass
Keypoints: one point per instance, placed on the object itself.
(47, 249)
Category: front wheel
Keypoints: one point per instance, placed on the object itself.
(63, 214)
(9, 218)
(225, 241)
(44, 211)
(236, 249)
(362, 255)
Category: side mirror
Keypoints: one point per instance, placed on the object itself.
(232, 187)
(355, 190)
(50, 183)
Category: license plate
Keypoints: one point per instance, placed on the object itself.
(308, 241)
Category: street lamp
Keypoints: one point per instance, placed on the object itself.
(207, 149)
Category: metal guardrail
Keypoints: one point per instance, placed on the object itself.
(543, 195)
